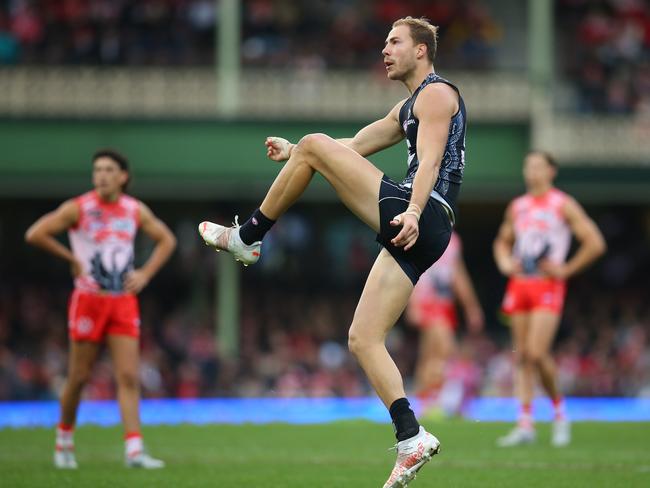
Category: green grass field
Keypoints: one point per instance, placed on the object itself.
(346, 454)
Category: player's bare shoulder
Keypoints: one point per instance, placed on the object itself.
(68, 212)
(438, 99)
(395, 111)
(570, 206)
(398, 106)
(145, 214)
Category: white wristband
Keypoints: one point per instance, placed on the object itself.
(413, 213)
(414, 209)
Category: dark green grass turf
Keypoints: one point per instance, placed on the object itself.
(346, 454)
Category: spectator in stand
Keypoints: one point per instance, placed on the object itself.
(310, 35)
(612, 46)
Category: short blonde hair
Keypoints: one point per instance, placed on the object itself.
(422, 32)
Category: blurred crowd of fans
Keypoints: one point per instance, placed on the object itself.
(293, 346)
(349, 35)
(276, 33)
(603, 45)
(297, 306)
(607, 51)
(107, 32)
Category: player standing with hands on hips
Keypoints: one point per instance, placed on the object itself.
(103, 309)
(531, 248)
(413, 219)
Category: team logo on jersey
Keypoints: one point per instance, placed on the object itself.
(96, 226)
(84, 325)
(543, 218)
(408, 122)
(110, 279)
(123, 225)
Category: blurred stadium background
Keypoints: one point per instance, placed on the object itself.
(188, 89)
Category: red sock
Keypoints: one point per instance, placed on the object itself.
(65, 427)
(133, 443)
(525, 420)
(429, 393)
(64, 436)
(559, 412)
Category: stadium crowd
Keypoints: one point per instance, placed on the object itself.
(276, 33)
(294, 346)
(607, 53)
(293, 325)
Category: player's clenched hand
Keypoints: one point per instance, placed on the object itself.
(135, 281)
(278, 149)
(410, 230)
(511, 267)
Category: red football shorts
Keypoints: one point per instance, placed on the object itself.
(433, 313)
(92, 316)
(533, 293)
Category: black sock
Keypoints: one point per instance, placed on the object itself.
(403, 419)
(255, 228)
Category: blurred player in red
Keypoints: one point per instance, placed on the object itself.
(103, 309)
(531, 249)
(432, 309)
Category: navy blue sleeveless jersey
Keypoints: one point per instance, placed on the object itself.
(450, 176)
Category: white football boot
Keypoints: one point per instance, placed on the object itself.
(65, 459)
(227, 239)
(561, 433)
(517, 437)
(144, 461)
(412, 454)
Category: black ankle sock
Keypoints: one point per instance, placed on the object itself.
(255, 228)
(404, 419)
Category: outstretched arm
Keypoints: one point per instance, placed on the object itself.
(41, 233)
(592, 243)
(374, 137)
(379, 135)
(155, 228)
